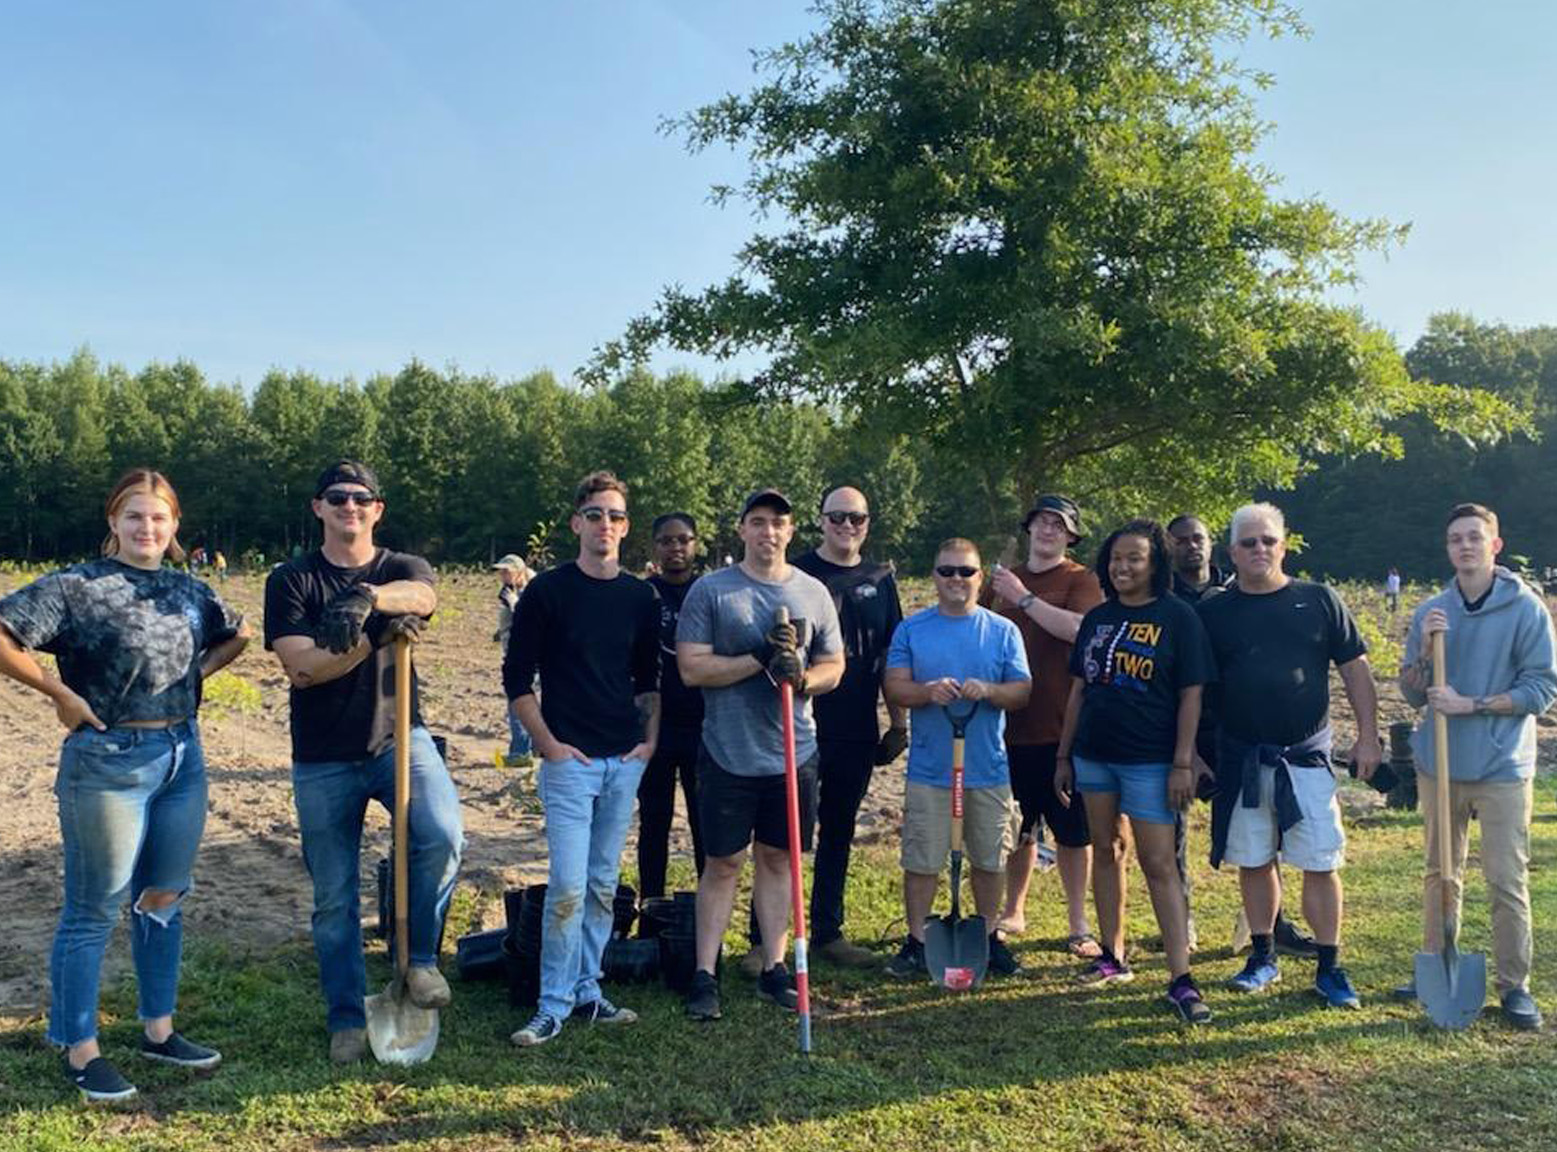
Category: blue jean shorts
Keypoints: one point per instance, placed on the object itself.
(1142, 788)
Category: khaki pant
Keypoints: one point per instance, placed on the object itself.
(1504, 809)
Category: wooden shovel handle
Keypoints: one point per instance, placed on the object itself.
(1441, 765)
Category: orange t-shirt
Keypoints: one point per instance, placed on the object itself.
(1067, 585)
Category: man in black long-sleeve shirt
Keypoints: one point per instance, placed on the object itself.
(592, 632)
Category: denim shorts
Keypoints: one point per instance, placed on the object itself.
(1142, 788)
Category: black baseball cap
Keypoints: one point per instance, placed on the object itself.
(1062, 506)
(347, 472)
(772, 498)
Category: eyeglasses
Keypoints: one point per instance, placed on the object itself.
(684, 539)
(837, 519)
(1251, 541)
(595, 515)
(337, 498)
(966, 571)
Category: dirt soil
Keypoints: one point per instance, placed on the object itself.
(251, 888)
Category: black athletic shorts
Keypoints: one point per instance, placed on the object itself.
(1032, 783)
(731, 809)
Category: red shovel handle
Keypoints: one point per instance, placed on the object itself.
(797, 901)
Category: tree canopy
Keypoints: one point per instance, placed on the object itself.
(1032, 234)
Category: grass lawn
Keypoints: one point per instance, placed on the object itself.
(1025, 1062)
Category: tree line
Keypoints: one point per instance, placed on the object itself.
(474, 467)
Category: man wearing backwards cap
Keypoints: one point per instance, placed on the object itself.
(330, 617)
(728, 644)
(1046, 598)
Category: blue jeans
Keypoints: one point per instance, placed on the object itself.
(332, 798)
(131, 811)
(588, 808)
(518, 738)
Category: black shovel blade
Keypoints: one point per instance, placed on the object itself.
(956, 951)
(1452, 986)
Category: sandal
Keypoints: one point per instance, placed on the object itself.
(1083, 946)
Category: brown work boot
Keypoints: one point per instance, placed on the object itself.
(427, 987)
(348, 1045)
(848, 955)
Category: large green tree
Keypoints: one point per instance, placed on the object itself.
(1032, 233)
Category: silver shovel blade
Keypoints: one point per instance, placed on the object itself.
(956, 951)
(1452, 986)
(398, 1031)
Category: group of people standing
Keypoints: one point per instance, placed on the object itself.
(1097, 702)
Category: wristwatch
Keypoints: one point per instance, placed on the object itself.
(1026, 601)
(1483, 705)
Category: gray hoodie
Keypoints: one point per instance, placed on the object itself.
(1504, 646)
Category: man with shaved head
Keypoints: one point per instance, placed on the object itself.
(850, 742)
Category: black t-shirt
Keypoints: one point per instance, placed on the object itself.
(353, 716)
(596, 645)
(1273, 654)
(1186, 591)
(1134, 662)
(868, 610)
(681, 707)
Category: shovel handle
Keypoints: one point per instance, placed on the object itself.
(402, 804)
(797, 897)
(1441, 768)
(956, 796)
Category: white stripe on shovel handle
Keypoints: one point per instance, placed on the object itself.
(796, 891)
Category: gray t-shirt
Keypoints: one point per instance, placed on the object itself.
(733, 612)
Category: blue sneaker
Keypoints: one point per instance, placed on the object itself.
(1337, 989)
(1259, 973)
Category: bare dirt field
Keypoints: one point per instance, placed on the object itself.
(250, 885)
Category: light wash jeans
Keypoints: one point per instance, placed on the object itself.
(518, 738)
(131, 811)
(588, 809)
(332, 798)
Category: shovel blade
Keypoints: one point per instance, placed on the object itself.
(1452, 986)
(956, 951)
(398, 1031)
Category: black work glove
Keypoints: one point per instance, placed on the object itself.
(891, 745)
(344, 616)
(382, 630)
(786, 665)
(780, 638)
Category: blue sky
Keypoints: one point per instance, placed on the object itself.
(339, 186)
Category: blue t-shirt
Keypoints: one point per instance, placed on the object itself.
(127, 640)
(980, 646)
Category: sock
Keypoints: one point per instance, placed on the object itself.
(1184, 981)
(1262, 945)
(1328, 954)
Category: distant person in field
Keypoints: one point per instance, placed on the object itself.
(1046, 597)
(956, 653)
(730, 644)
(1392, 590)
(1138, 669)
(590, 630)
(1498, 654)
(1194, 579)
(1274, 639)
(133, 639)
(219, 562)
(674, 537)
(331, 617)
(514, 574)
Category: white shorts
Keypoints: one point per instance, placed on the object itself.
(1316, 843)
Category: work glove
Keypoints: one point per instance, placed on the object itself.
(382, 630)
(343, 620)
(891, 745)
(785, 665)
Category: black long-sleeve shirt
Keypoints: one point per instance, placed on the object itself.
(595, 644)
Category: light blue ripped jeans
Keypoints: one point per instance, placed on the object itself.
(131, 812)
(588, 808)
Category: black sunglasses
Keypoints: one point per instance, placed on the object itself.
(594, 515)
(1251, 541)
(855, 518)
(966, 571)
(336, 498)
(683, 539)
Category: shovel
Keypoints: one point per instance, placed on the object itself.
(956, 951)
(797, 895)
(1450, 986)
(398, 1031)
